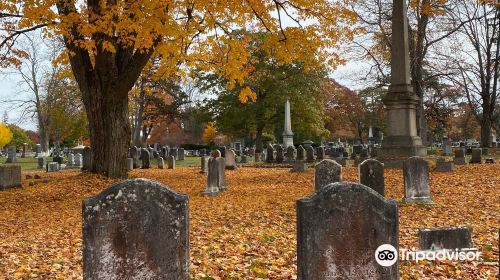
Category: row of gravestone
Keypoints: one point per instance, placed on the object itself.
(145, 156)
(278, 154)
(139, 229)
(371, 174)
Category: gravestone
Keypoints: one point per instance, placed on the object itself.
(280, 154)
(364, 154)
(41, 162)
(222, 150)
(171, 162)
(221, 179)
(459, 158)
(174, 152)
(161, 163)
(326, 172)
(476, 156)
(181, 154)
(339, 229)
(204, 164)
(416, 181)
(299, 166)
(78, 160)
(86, 158)
(136, 229)
(71, 160)
(130, 164)
(164, 152)
(212, 178)
(310, 154)
(10, 176)
(371, 174)
(145, 159)
(269, 153)
(290, 153)
(230, 160)
(444, 166)
(11, 154)
(356, 150)
(301, 153)
(450, 238)
(447, 149)
(134, 155)
(52, 167)
(320, 153)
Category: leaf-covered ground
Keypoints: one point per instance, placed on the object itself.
(249, 231)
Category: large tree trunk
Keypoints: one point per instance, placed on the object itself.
(107, 111)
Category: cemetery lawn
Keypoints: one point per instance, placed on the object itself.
(247, 232)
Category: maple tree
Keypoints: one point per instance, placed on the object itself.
(209, 133)
(110, 42)
(5, 135)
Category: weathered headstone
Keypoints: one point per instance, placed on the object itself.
(52, 167)
(181, 154)
(171, 162)
(339, 230)
(477, 154)
(371, 174)
(416, 181)
(204, 164)
(161, 163)
(174, 152)
(10, 176)
(301, 153)
(310, 154)
(212, 178)
(320, 153)
(78, 160)
(134, 155)
(444, 166)
(145, 159)
(11, 154)
(326, 172)
(489, 160)
(86, 158)
(459, 158)
(230, 160)
(290, 153)
(280, 154)
(41, 162)
(450, 238)
(136, 229)
(71, 160)
(269, 153)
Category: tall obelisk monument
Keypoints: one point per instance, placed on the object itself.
(287, 132)
(401, 102)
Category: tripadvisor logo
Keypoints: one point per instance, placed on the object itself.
(386, 255)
